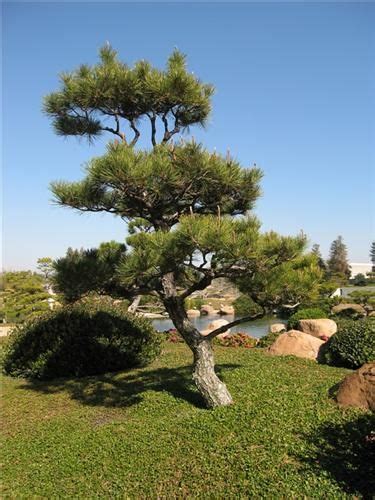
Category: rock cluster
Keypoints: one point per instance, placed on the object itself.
(217, 324)
(296, 343)
(304, 342)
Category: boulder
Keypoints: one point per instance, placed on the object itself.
(318, 327)
(356, 308)
(296, 343)
(358, 388)
(207, 309)
(217, 324)
(193, 313)
(277, 327)
(226, 310)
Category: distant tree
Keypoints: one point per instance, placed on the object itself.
(315, 250)
(45, 266)
(364, 297)
(23, 296)
(360, 280)
(188, 209)
(338, 259)
(372, 255)
(93, 270)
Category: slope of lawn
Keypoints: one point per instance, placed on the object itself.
(144, 434)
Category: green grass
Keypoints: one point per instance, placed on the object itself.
(144, 434)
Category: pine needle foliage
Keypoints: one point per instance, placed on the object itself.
(188, 209)
(112, 97)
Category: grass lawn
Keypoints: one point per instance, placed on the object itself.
(144, 434)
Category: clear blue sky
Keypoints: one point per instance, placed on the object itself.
(295, 94)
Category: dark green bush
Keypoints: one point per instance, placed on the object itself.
(87, 338)
(352, 345)
(311, 313)
(268, 340)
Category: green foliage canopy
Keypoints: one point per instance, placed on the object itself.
(110, 90)
(93, 270)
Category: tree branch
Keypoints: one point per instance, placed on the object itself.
(224, 328)
(199, 285)
(153, 128)
(136, 133)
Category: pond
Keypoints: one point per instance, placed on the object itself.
(256, 328)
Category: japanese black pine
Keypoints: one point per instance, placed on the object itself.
(188, 209)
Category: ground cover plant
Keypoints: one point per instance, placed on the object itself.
(89, 337)
(144, 433)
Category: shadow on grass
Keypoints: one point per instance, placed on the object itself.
(347, 452)
(126, 388)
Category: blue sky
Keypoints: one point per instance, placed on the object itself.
(294, 93)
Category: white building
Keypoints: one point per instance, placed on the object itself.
(359, 268)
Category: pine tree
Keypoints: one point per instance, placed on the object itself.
(315, 250)
(338, 259)
(372, 255)
(179, 199)
(45, 266)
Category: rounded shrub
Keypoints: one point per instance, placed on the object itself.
(87, 338)
(308, 313)
(352, 345)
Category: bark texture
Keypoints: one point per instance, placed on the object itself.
(212, 389)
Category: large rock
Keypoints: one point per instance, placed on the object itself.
(217, 323)
(207, 309)
(318, 327)
(226, 310)
(277, 327)
(356, 308)
(296, 343)
(193, 313)
(358, 388)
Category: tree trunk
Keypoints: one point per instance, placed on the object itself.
(213, 390)
(134, 305)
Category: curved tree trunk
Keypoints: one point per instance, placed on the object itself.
(212, 389)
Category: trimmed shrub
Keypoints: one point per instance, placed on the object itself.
(268, 340)
(311, 313)
(237, 340)
(352, 345)
(87, 338)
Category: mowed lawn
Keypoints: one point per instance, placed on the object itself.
(144, 433)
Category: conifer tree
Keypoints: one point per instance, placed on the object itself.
(338, 259)
(315, 250)
(188, 209)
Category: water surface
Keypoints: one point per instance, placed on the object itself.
(256, 328)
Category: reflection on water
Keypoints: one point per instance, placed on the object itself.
(256, 328)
